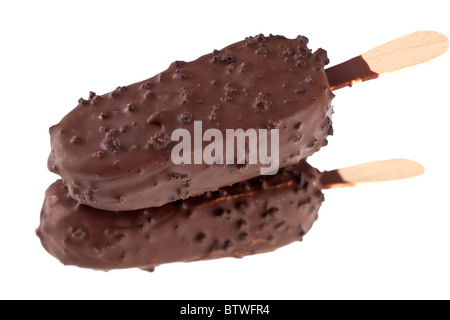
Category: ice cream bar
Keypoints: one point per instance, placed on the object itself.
(114, 151)
(250, 217)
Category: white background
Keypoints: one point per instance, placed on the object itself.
(384, 241)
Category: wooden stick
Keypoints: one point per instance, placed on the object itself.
(371, 172)
(403, 52)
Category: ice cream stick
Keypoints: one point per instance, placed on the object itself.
(371, 172)
(403, 52)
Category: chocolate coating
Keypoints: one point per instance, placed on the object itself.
(251, 217)
(114, 151)
(349, 72)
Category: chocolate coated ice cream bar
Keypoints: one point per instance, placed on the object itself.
(249, 217)
(113, 151)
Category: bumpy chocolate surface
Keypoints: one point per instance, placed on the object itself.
(250, 217)
(114, 151)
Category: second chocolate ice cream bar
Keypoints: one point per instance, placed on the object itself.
(114, 151)
(250, 217)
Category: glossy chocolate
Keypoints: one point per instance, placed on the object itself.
(114, 151)
(251, 217)
(332, 179)
(349, 72)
